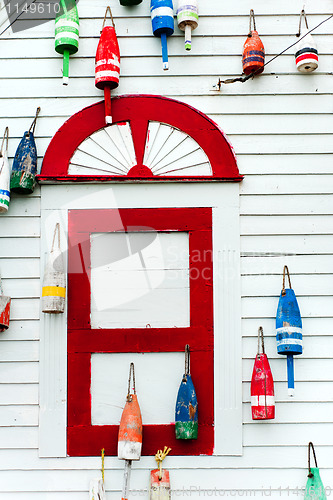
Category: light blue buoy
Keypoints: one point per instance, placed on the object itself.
(289, 329)
(161, 12)
(186, 417)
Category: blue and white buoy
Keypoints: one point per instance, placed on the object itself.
(161, 12)
(186, 417)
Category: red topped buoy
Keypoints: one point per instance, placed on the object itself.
(262, 385)
(253, 50)
(107, 64)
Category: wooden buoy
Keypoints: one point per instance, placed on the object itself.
(129, 3)
(130, 432)
(186, 418)
(262, 385)
(4, 174)
(67, 26)
(24, 169)
(160, 478)
(306, 54)
(289, 329)
(107, 64)
(253, 50)
(54, 283)
(4, 309)
(161, 12)
(188, 19)
(97, 490)
(315, 489)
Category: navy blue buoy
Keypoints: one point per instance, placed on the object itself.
(186, 418)
(161, 12)
(289, 329)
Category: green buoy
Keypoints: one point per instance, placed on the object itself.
(67, 33)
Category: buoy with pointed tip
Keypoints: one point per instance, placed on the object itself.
(289, 329)
(161, 12)
(54, 282)
(4, 309)
(315, 489)
(306, 54)
(4, 174)
(262, 384)
(107, 64)
(160, 478)
(188, 19)
(67, 26)
(186, 418)
(130, 432)
(24, 169)
(253, 50)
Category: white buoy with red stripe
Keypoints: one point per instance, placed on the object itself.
(160, 478)
(54, 283)
(4, 309)
(107, 64)
(4, 174)
(262, 385)
(306, 54)
(130, 432)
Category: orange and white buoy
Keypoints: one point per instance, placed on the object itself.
(160, 478)
(130, 432)
(253, 50)
(54, 282)
(107, 64)
(4, 310)
(262, 385)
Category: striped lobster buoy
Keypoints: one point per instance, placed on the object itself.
(54, 283)
(24, 169)
(186, 418)
(306, 54)
(160, 478)
(130, 432)
(262, 385)
(188, 19)
(253, 50)
(288, 328)
(97, 490)
(107, 64)
(161, 12)
(67, 27)
(4, 174)
(4, 310)
(314, 487)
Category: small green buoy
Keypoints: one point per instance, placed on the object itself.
(314, 487)
(67, 33)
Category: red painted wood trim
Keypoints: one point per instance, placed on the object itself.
(83, 341)
(139, 109)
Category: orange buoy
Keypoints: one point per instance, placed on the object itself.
(253, 50)
(262, 385)
(130, 432)
(107, 64)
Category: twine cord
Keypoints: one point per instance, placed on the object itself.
(159, 457)
(56, 230)
(309, 457)
(187, 362)
(252, 20)
(285, 270)
(108, 9)
(4, 141)
(33, 125)
(300, 22)
(261, 340)
(131, 375)
(102, 456)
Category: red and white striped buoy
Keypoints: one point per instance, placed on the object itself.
(253, 50)
(262, 385)
(306, 54)
(160, 478)
(4, 174)
(54, 282)
(130, 432)
(4, 310)
(107, 64)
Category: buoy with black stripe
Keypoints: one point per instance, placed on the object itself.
(24, 169)
(186, 417)
(262, 384)
(188, 19)
(160, 478)
(253, 50)
(67, 26)
(4, 174)
(289, 329)
(306, 54)
(130, 432)
(4, 309)
(107, 64)
(161, 12)
(54, 282)
(315, 489)
(129, 3)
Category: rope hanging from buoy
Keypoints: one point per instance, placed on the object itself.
(4, 141)
(262, 343)
(285, 270)
(187, 362)
(159, 457)
(108, 9)
(131, 375)
(311, 447)
(33, 125)
(300, 25)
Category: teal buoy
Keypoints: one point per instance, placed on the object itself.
(314, 487)
(186, 418)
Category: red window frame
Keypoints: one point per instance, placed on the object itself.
(83, 438)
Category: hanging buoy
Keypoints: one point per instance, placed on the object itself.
(314, 487)
(306, 54)
(188, 19)
(4, 309)
(186, 418)
(289, 329)
(160, 478)
(130, 432)
(97, 490)
(24, 169)
(4, 174)
(161, 12)
(262, 385)
(67, 26)
(107, 64)
(54, 283)
(129, 3)
(253, 50)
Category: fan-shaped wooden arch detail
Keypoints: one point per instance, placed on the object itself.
(188, 145)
